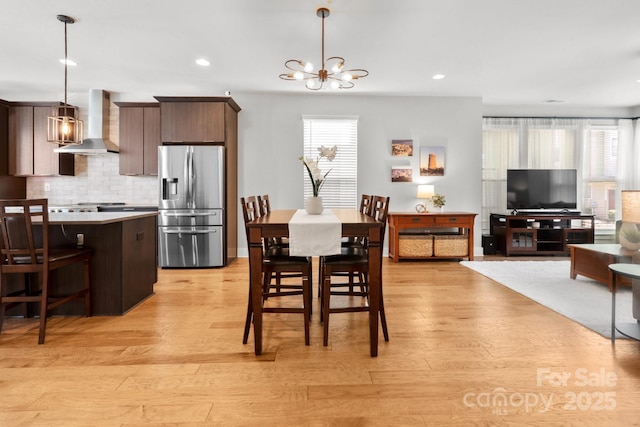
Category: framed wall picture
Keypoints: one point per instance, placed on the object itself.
(432, 161)
(401, 174)
(402, 147)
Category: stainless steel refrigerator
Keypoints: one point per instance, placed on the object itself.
(191, 206)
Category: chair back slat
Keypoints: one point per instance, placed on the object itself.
(25, 232)
(250, 209)
(264, 204)
(366, 204)
(380, 210)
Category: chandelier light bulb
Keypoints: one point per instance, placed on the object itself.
(298, 75)
(338, 67)
(347, 77)
(65, 128)
(308, 67)
(335, 84)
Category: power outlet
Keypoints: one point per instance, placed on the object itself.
(47, 186)
(80, 240)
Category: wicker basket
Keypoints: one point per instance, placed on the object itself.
(415, 245)
(454, 245)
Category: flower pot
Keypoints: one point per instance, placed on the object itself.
(313, 205)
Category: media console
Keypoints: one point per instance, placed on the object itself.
(540, 234)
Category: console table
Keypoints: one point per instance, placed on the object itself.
(630, 271)
(540, 234)
(430, 235)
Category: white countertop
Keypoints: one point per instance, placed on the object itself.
(96, 217)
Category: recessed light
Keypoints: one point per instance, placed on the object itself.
(203, 62)
(438, 77)
(69, 62)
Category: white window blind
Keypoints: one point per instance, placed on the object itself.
(341, 185)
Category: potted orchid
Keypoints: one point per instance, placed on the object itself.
(317, 177)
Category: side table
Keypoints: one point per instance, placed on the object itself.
(631, 330)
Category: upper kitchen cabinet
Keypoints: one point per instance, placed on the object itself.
(4, 138)
(197, 120)
(29, 151)
(139, 138)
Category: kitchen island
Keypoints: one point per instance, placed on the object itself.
(124, 258)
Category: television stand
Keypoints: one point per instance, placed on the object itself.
(544, 212)
(541, 234)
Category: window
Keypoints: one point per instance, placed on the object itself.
(599, 175)
(340, 189)
(511, 143)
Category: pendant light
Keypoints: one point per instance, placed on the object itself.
(63, 128)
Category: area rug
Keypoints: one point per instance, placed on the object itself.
(547, 282)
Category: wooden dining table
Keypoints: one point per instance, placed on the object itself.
(354, 224)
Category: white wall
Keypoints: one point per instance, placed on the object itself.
(271, 140)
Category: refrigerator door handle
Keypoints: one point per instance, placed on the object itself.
(182, 214)
(189, 231)
(190, 192)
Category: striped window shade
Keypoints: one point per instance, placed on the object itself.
(340, 189)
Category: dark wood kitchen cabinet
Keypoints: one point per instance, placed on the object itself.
(11, 187)
(139, 138)
(196, 120)
(29, 151)
(4, 138)
(123, 262)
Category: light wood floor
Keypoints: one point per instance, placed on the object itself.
(459, 343)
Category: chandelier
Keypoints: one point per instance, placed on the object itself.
(332, 72)
(62, 126)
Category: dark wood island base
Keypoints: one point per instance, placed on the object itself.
(124, 258)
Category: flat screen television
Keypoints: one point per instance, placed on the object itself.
(539, 189)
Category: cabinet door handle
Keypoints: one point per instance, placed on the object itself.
(415, 219)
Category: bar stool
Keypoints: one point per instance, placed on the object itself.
(352, 260)
(276, 260)
(24, 250)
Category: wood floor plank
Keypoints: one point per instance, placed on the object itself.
(459, 344)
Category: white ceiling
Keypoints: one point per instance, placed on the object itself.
(509, 52)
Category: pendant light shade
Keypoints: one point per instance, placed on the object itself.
(63, 127)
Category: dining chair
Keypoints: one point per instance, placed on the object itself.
(277, 260)
(25, 252)
(264, 207)
(272, 243)
(352, 260)
(365, 208)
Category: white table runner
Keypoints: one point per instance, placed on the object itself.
(314, 235)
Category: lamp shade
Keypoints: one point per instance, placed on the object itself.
(426, 191)
(631, 206)
(629, 235)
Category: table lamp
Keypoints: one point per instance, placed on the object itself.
(426, 192)
(629, 235)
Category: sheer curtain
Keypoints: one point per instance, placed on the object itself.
(628, 162)
(521, 143)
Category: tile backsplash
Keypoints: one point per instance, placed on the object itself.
(97, 179)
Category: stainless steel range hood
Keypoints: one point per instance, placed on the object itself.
(97, 141)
